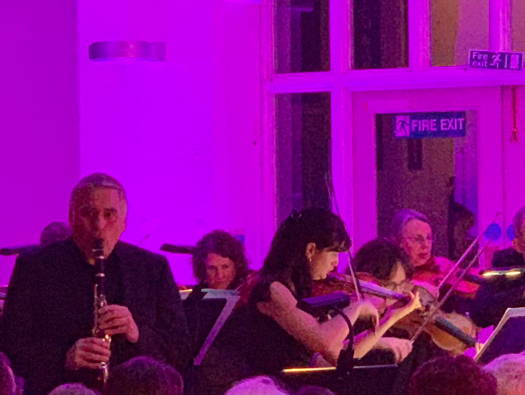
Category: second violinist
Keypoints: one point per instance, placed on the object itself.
(387, 263)
(411, 230)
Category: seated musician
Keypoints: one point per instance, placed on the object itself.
(270, 332)
(498, 294)
(411, 230)
(219, 261)
(513, 256)
(388, 265)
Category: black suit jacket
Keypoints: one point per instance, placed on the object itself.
(494, 297)
(508, 257)
(49, 307)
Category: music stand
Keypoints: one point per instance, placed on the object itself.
(230, 299)
(508, 337)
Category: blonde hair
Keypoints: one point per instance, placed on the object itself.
(509, 371)
(258, 385)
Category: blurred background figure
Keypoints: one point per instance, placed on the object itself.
(509, 371)
(144, 375)
(7, 378)
(258, 385)
(55, 231)
(452, 376)
(503, 292)
(513, 256)
(313, 390)
(72, 389)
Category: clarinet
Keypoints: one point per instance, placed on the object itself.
(99, 302)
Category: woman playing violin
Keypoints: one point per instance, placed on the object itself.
(412, 232)
(389, 265)
(306, 248)
(271, 333)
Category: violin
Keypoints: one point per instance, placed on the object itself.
(341, 282)
(457, 275)
(448, 331)
(435, 272)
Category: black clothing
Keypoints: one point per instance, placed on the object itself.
(49, 307)
(250, 344)
(269, 348)
(508, 257)
(494, 297)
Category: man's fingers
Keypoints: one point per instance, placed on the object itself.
(90, 365)
(90, 356)
(114, 310)
(117, 330)
(113, 323)
(87, 353)
(96, 346)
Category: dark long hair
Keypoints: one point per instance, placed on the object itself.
(287, 263)
(379, 257)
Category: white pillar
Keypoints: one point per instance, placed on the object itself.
(500, 14)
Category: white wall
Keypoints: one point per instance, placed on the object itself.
(39, 119)
(182, 135)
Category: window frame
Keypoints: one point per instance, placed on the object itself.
(342, 83)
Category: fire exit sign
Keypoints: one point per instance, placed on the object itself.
(496, 60)
(430, 124)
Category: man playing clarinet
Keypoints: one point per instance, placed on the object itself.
(48, 327)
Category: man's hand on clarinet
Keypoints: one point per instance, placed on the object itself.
(117, 320)
(87, 352)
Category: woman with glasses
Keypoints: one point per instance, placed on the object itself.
(391, 268)
(411, 230)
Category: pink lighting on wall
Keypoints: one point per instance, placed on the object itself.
(182, 134)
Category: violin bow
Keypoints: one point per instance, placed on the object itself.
(458, 279)
(331, 195)
(440, 303)
(465, 254)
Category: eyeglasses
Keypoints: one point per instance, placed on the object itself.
(397, 287)
(421, 239)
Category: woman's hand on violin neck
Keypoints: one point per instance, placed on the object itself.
(413, 304)
(399, 347)
(364, 309)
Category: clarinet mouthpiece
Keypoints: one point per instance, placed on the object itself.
(98, 248)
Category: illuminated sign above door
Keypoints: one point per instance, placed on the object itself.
(430, 125)
(495, 60)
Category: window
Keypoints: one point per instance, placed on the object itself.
(303, 152)
(301, 35)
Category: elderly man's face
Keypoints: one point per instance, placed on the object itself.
(98, 213)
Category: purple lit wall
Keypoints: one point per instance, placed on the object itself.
(182, 134)
(39, 119)
(185, 136)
